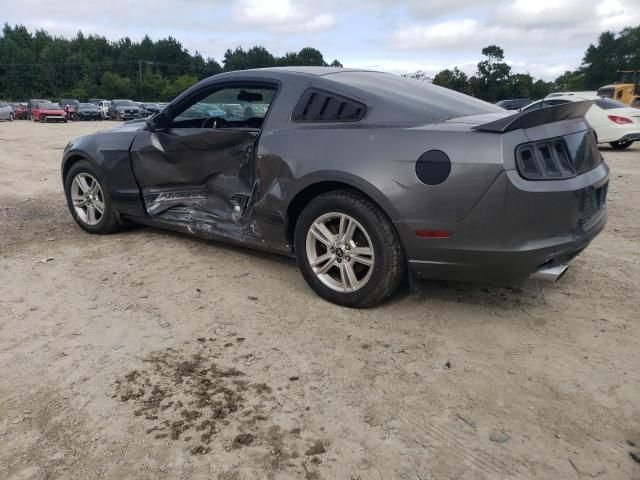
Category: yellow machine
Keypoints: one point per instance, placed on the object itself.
(625, 89)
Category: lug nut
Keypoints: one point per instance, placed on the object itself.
(347, 258)
(347, 247)
(339, 260)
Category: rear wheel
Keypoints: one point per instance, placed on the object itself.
(348, 251)
(621, 145)
(88, 200)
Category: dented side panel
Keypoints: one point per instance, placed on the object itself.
(199, 180)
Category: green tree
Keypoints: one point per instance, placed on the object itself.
(113, 85)
(36, 64)
(453, 79)
(569, 81)
(178, 86)
(489, 83)
(311, 57)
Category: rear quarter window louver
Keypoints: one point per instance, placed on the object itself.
(322, 106)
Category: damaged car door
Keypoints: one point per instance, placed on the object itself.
(197, 173)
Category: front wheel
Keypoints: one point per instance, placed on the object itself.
(621, 145)
(88, 200)
(11, 117)
(348, 251)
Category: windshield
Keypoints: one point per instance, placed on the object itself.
(608, 104)
(87, 105)
(124, 103)
(48, 106)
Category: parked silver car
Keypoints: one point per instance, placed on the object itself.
(6, 112)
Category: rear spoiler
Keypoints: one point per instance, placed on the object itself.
(537, 117)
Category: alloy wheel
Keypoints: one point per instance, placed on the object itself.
(340, 252)
(87, 198)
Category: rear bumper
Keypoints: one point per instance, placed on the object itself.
(505, 267)
(515, 229)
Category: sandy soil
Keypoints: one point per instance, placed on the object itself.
(109, 345)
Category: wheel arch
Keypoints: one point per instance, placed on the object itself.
(303, 196)
(71, 159)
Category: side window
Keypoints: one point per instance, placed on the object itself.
(321, 106)
(231, 107)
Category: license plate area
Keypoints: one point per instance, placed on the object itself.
(592, 205)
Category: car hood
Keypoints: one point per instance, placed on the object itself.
(133, 126)
(53, 112)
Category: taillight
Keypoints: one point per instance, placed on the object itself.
(545, 160)
(619, 120)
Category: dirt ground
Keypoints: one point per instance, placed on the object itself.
(152, 355)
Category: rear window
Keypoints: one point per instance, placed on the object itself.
(608, 104)
(416, 100)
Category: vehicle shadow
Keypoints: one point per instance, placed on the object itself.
(529, 294)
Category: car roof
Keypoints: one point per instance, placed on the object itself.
(317, 71)
(588, 95)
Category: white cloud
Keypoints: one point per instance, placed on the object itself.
(439, 35)
(543, 37)
(282, 15)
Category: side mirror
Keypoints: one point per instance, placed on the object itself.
(159, 121)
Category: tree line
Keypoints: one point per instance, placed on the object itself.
(494, 79)
(39, 65)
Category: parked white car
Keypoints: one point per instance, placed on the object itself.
(103, 106)
(613, 122)
(6, 111)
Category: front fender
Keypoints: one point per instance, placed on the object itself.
(108, 152)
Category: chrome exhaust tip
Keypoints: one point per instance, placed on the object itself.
(550, 274)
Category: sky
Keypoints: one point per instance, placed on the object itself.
(541, 37)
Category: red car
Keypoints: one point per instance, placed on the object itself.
(69, 105)
(19, 110)
(45, 112)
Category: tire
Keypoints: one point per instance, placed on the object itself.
(108, 219)
(118, 118)
(373, 232)
(621, 145)
(43, 118)
(11, 117)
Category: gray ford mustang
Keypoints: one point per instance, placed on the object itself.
(363, 176)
